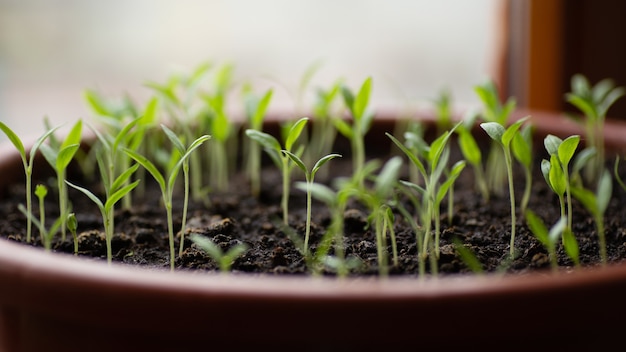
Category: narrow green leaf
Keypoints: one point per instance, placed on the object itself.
(297, 161)
(604, 192)
(511, 131)
(123, 177)
(494, 130)
(567, 149)
(88, 193)
(414, 159)
(119, 194)
(571, 245)
(556, 176)
(321, 162)
(148, 165)
(17, 142)
(295, 132)
(469, 148)
(65, 156)
(176, 142)
(362, 99)
(261, 108)
(74, 136)
(266, 140)
(537, 227)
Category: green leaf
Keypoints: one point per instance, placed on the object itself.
(176, 142)
(17, 142)
(148, 165)
(65, 156)
(119, 194)
(567, 149)
(604, 192)
(557, 230)
(414, 159)
(123, 133)
(323, 161)
(537, 227)
(266, 140)
(41, 191)
(571, 245)
(556, 176)
(38, 143)
(552, 143)
(343, 127)
(494, 130)
(194, 145)
(522, 147)
(74, 136)
(295, 132)
(445, 186)
(511, 131)
(469, 148)
(123, 177)
(318, 191)
(388, 176)
(362, 99)
(94, 101)
(587, 198)
(88, 193)
(261, 108)
(297, 161)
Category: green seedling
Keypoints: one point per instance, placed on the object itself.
(114, 192)
(468, 257)
(361, 121)
(504, 137)
(323, 131)
(472, 154)
(60, 158)
(495, 111)
(556, 170)
(434, 190)
(72, 226)
(27, 162)
(597, 204)
(273, 148)
(522, 147)
(256, 109)
(381, 216)
(223, 259)
(179, 94)
(310, 177)
(548, 238)
(336, 201)
(594, 103)
(167, 184)
(443, 111)
(46, 236)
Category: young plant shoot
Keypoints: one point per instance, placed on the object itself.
(72, 226)
(494, 111)
(361, 122)
(167, 184)
(114, 192)
(432, 169)
(28, 162)
(504, 137)
(223, 259)
(46, 235)
(594, 102)
(522, 147)
(548, 239)
(273, 148)
(472, 154)
(597, 204)
(59, 158)
(309, 176)
(256, 109)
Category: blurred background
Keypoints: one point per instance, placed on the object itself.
(52, 50)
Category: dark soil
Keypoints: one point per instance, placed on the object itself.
(235, 217)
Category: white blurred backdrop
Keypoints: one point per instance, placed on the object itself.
(51, 50)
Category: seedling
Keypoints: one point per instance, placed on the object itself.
(494, 111)
(548, 238)
(59, 158)
(468, 257)
(309, 176)
(46, 236)
(27, 162)
(114, 192)
(504, 137)
(594, 103)
(597, 204)
(223, 259)
(522, 147)
(472, 154)
(443, 108)
(167, 185)
(436, 157)
(556, 171)
(361, 121)
(256, 109)
(273, 148)
(323, 132)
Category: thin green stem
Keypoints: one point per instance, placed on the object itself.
(285, 199)
(170, 231)
(185, 205)
(509, 170)
(29, 207)
(308, 217)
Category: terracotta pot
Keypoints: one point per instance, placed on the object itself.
(52, 302)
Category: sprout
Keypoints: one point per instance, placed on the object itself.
(597, 204)
(59, 157)
(72, 226)
(504, 137)
(361, 121)
(256, 110)
(472, 154)
(275, 151)
(547, 238)
(114, 192)
(46, 236)
(223, 259)
(28, 166)
(522, 147)
(310, 176)
(594, 102)
(167, 185)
